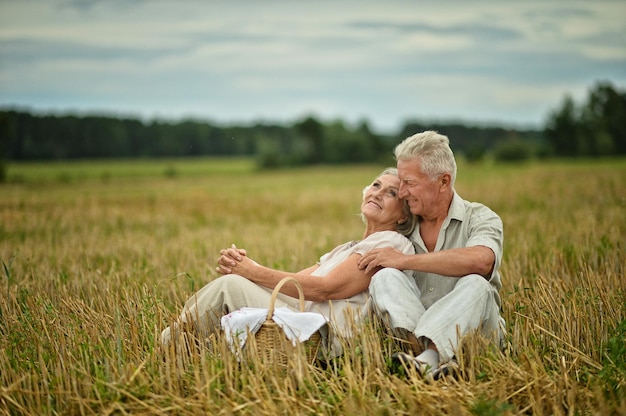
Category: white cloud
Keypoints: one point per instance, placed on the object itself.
(274, 59)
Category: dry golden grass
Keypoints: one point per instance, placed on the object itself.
(95, 267)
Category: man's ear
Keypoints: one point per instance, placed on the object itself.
(444, 180)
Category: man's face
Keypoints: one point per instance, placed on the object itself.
(416, 188)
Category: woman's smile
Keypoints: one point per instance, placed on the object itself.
(376, 204)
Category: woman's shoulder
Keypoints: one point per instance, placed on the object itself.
(385, 236)
(388, 239)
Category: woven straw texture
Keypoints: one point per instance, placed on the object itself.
(271, 346)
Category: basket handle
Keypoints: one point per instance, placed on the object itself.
(270, 311)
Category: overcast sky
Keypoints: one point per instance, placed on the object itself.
(250, 60)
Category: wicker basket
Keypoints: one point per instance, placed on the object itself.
(271, 346)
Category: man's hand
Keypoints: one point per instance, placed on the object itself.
(229, 257)
(381, 257)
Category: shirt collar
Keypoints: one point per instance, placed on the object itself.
(457, 208)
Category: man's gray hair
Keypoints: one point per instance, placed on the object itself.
(433, 152)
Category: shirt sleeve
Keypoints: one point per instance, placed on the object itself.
(325, 257)
(486, 229)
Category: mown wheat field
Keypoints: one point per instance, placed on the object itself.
(97, 258)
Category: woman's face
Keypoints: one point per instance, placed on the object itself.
(381, 205)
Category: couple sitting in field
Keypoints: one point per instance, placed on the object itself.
(428, 260)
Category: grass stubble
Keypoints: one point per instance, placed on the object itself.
(94, 269)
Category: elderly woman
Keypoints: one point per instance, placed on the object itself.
(334, 287)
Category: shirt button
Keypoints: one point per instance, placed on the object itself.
(431, 289)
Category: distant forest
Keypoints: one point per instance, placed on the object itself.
(596, 127)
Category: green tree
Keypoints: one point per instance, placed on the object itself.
(563, 129)
(313, 132)
(513, 150)
(4, 144)
(595, 128)
(604, 117)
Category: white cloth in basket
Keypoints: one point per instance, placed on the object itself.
(298, 326)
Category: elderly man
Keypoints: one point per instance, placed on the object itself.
(455, 284)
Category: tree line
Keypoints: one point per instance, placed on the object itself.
(596, 127)
(593, 128)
